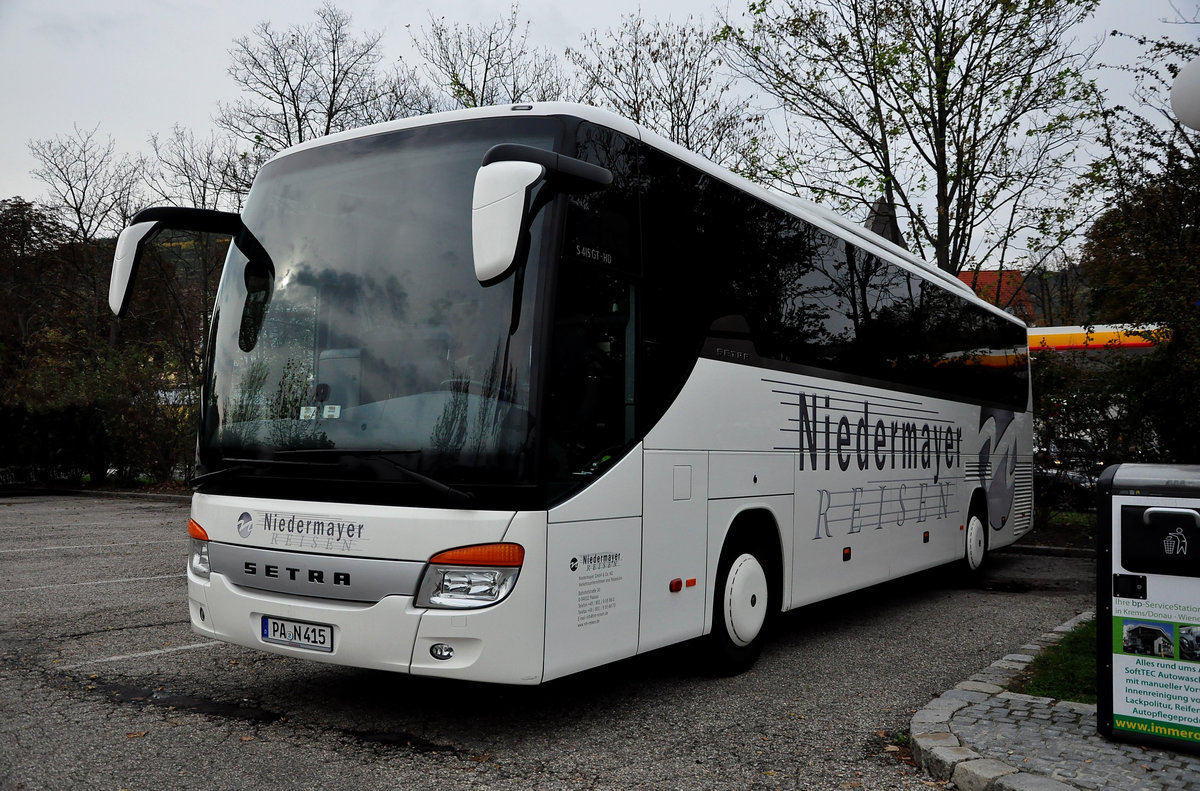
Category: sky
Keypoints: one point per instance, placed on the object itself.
(136, 68)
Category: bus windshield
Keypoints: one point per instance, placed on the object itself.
(349, 320)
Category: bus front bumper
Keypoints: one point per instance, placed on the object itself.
(496, 644)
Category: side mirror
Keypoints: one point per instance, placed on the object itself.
(501, 210)
(144, 225)
(498, 215)
(125, 263)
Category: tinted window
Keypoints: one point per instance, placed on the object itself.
(718, 259)
(356, 323)
(592, 408)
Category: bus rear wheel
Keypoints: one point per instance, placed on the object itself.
(741, 604)
(976, 552)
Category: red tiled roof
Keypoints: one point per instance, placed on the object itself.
(1011, 285)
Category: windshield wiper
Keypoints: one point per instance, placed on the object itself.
(424, 480)
(242, 465)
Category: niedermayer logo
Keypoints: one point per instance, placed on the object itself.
(596, 561)
(302, 531)
(310, 531)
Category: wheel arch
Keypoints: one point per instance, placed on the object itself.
(978, 506)
(757, 527)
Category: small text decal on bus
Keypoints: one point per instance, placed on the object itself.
(593, 561)
(592, 254)
(598, 583)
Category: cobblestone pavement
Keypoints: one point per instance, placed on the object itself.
(986, 739)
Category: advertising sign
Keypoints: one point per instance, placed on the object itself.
(1148, 608)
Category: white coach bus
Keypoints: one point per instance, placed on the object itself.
(508, 393)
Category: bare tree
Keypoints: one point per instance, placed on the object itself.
(402, 93)
(95, 187)
(966, 116)
(1058, 290)
(200, 172)
(672, 79)
(205, 173)
(484, 64)
(95, 191)
(312, 80)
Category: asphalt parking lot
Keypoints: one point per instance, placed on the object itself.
(103, 685)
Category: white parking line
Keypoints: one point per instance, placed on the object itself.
(98, 546)
(141, 655)
(93, 582)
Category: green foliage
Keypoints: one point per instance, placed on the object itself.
(86, 395)
(1142, 259)
(1068, 529)
(1066, 671)
(1099, 397)
(965, 116)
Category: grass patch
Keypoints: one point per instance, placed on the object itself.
(1072, 520)
(1066, 671)
(1063, 529)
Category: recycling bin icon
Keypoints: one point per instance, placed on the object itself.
(1175, 543)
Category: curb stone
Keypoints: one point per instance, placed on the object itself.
(979, 774)
(940, 762)
(940, 753)
(1013, 742)
(1024, 781)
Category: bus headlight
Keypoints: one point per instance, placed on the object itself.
(198, 558)
(464, 587)
(475, 576)
(198, 550)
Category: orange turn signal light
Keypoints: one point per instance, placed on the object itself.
(196, 531)
(482, 555)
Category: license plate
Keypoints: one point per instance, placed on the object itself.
(298, 634)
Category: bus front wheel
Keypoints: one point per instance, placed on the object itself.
(740, 608)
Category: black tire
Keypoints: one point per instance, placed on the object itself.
(742, 608)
